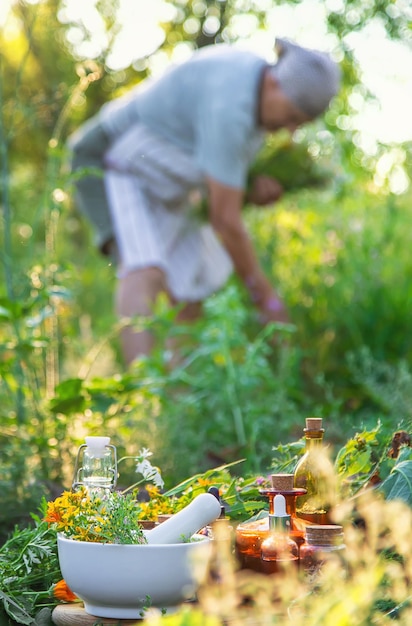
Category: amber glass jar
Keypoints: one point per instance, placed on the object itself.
(249, 537)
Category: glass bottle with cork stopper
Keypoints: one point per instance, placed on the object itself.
(283, 484)
(278, 550)
(315, 473)
(322, 541)
(251, 533)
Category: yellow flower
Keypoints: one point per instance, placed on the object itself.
(153, 491)
(52, 515)
(88, 518)
(205, 482)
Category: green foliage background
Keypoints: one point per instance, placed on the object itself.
(339, 254)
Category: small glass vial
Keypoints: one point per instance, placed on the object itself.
(322, 541)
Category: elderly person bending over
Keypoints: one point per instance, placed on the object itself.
(194, 131)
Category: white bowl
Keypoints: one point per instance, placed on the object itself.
(121, 581)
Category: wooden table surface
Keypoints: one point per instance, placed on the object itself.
(75, 615)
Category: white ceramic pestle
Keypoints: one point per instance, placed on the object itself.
(203, 510)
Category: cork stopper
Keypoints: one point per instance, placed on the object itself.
(314, 423)
(324, 534)
(282, 482)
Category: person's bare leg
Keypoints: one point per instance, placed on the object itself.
(190, 312)
(136, 294)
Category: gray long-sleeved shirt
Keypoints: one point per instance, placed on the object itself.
(207, 106)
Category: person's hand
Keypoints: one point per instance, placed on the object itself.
(264, 190)
(273, 310)
(266, 300)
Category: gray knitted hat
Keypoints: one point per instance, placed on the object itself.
(309, 78)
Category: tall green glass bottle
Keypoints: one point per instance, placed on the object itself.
(315, 473)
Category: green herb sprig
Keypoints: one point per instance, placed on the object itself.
(29, 567)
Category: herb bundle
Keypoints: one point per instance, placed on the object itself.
(29, 567)
(87, 517)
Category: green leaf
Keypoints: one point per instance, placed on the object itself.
(247, 508)
(5, 314)
(69, 388)
(405, 454)
(359, 463)
(398, 485)
(69, 397)
(15, 610)
(11, 309)
(101, 403)
(44, 617)
(186, 483)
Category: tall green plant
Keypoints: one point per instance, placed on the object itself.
(231, 393)
(33, 299)
(234, 394)
(344, 270)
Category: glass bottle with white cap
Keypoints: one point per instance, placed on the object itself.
(96, 466)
